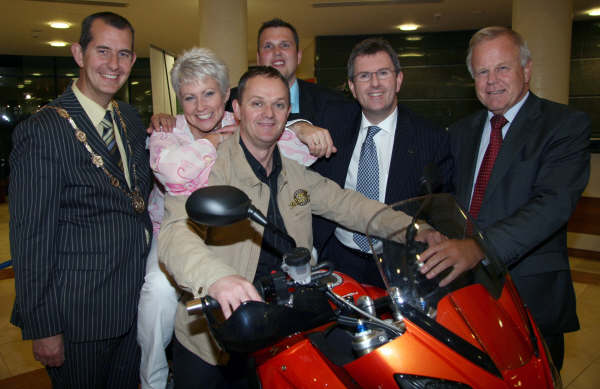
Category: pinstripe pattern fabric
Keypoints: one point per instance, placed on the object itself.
(78, 247)
(110, 364)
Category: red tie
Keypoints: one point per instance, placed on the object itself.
(485, 170)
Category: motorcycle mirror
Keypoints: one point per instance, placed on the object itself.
(222, 205)
(218, 205)
(430, 180)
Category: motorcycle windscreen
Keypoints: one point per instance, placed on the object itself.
(480, 306)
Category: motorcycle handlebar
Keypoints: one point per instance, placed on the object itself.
(201, 305)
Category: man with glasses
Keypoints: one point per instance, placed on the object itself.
(382, 151)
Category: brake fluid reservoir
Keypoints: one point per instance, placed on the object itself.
(296, 264)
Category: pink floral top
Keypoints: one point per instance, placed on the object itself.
(182, 164)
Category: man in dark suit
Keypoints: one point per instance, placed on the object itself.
(79, 229)
(404, 144)
(522, 164)
(278, 47)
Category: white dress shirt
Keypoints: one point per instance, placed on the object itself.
(384, 141)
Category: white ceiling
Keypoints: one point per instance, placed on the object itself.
(173, 24)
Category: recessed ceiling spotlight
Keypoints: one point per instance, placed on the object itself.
(594, 12)
(414, 38)
(58, 43)
(411, 55)
(36, 74)
(70, 74)
(134, 82)
(60, 25)
(408, 27)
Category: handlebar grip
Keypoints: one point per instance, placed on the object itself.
(201, 305)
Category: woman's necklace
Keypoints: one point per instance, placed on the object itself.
(137, 201)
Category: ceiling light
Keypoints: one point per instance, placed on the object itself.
(60, 25)
(27, 96)
(36, 74)
(134, 82)
(70, 74)
(414, 38)
(58, 43)
(411, 55)
(594, 12)
(20, 86)
(27, 82)
(408, 27)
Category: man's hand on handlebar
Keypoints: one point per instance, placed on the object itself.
(460, 254)
(231, 291)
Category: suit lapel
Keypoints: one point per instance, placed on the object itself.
(518, 134)
(306, 103)
(403, 146)
(470, 139)
(345, 143)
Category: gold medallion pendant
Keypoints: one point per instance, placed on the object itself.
(138, 202)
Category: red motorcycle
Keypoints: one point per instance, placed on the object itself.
(321, 329)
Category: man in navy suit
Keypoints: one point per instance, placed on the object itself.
(540, 167)
(79, 229)
(404, 144)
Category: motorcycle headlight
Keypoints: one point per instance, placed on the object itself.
(406, 381)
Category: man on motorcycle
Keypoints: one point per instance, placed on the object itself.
(222, 261)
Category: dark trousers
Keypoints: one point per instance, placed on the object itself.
(358, 265)
(556, 346)
(191, 372)
(111, 363)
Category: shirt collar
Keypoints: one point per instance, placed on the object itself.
(512, 112)
(388, 124)
(93, 110)
(258, 169)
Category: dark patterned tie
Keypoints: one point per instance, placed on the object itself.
(108, 136)
(485, 171)
(367, 178)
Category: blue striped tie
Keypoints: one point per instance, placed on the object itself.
(367, 178)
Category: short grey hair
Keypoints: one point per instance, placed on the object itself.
(489, 33)
(372, 46)
(195, 65)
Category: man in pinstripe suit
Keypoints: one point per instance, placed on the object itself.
(79, 229)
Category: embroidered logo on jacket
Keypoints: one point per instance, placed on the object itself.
(301, 197)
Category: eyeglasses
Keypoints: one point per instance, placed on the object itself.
(382, 74)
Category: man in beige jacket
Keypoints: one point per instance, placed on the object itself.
(223, 261)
